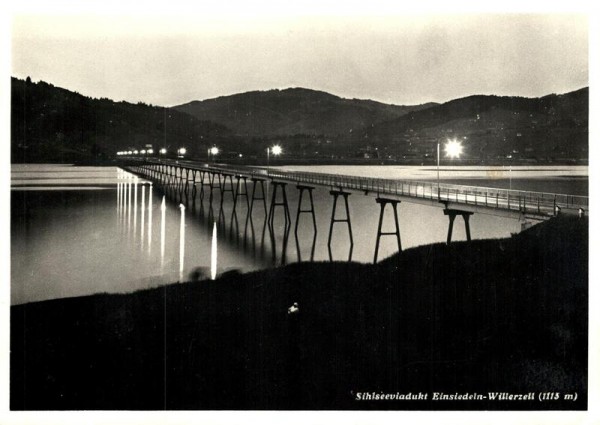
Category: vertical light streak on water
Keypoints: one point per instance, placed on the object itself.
(129, 206)
(163, 209)
(142, 224)
(150, 219)
(123, 187)
(181, 240)
(123, 195)
(118, 199)
(213, 253)
(135, 190)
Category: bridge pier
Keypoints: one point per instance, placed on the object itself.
(187, 179)
(239, 192)
(283, 203)
(451, 216)
(334, 220)
(211, 178)
(383, 203)
(194, 189)
(309, 189)
(224, 188)
(203, 182)
(262, 197)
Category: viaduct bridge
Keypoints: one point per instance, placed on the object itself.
(196, 179)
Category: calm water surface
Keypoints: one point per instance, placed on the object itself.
(83, 230)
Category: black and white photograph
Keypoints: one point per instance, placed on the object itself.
(269, 210)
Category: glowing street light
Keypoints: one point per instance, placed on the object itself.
(453, 149)
(135, 152)
(181, 151)
(213, 151)
(150, 151)
(129, 152)
(143, 151)
(275, 150)
(163, 151)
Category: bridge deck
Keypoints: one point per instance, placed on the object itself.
(502, 202)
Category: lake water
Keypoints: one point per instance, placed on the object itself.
(83, 230)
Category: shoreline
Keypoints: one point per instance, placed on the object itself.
(501, 315)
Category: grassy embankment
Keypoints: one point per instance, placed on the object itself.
(492, 315)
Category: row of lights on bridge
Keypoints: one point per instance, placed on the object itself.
(275, 150)
(163, 151)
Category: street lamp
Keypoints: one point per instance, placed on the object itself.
(275, 150)
(181, 151)
(163, 151)
(213, 151)
(150, 151)
(453, 149)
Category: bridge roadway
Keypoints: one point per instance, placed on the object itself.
(455, 200)
(487, 200)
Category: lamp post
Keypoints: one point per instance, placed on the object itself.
(213, 151)
(275, 150)
(453, 149)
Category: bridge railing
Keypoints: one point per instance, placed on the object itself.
(526, 201)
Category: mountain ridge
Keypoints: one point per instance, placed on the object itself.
(294, 110)
(53, 124)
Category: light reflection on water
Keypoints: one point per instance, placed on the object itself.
(75, 242)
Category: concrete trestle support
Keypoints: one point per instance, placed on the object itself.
(451, 216)
(182, 182)
(335, 194)
(383, 202)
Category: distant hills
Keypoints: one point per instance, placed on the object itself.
(553, 126)
(52, 124)
(294, 111)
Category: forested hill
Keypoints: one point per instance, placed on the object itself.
(52, 124)
(549, 127)
(294, 111)
(49, 123)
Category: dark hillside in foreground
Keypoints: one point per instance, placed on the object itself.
(506, 315)
(294, 111)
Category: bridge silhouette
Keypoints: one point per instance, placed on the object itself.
(197, 179)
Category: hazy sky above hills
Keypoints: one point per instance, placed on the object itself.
(169, 60)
